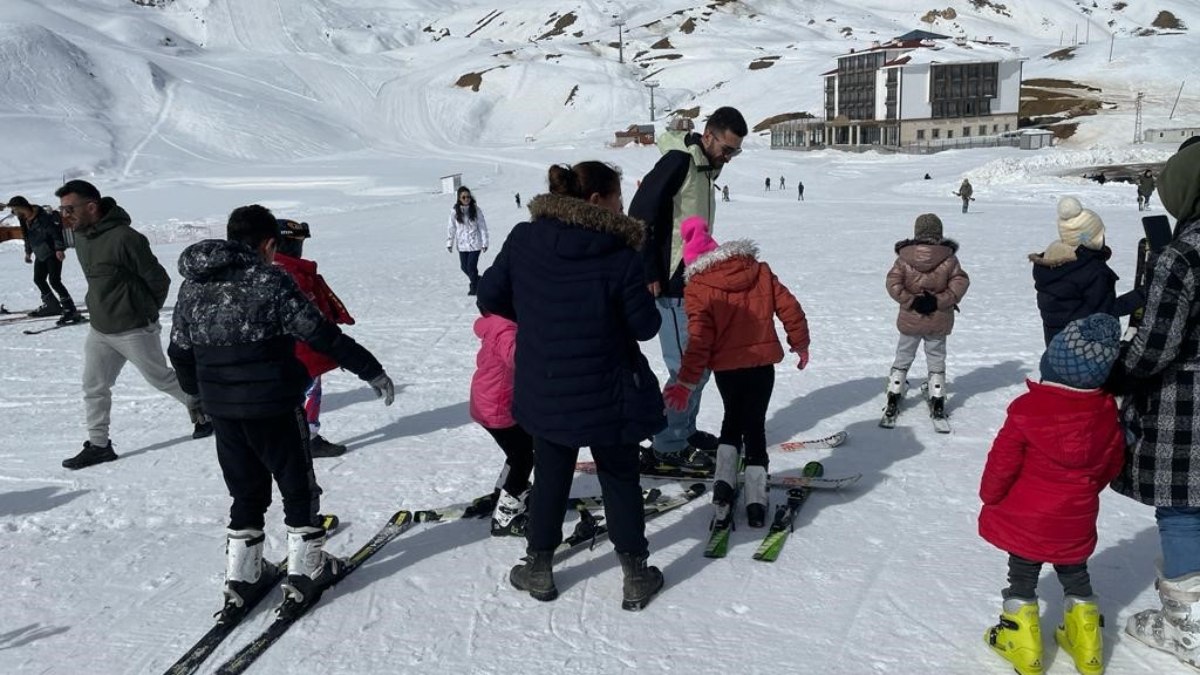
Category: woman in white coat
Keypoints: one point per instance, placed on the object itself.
(468, 232)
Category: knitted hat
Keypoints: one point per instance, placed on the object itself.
(928, 228)
(1078, 226)
(1082, 355)
(696, 241)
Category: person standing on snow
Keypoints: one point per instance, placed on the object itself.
(1060, 445)
(1145, 189)
(732, 300)
(681, 184)
(491, 406)
(1158, 371)
(468, 232)
(1072, 276)
(289, 255)
(964, 192)
(800, 191)
(236, 323)
(927, 282)
(126, 290)
(781, 184)
(572, 280)
(46, 248)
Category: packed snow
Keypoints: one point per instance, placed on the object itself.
(347, 118)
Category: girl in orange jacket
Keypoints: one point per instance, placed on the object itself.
(732, 299)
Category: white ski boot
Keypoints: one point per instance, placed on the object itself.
(510, 517)
(1175, 628)
(310, 569)
(756, 495)
(725, 484)
(897, 386)
(248, 578)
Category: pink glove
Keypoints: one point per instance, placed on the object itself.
(803, 354)
(676, 396)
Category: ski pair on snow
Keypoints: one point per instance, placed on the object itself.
(895, 397)
(781, 525)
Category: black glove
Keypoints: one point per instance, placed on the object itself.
(924, 304)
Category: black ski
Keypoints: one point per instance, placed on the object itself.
(785, 517)
(398, 524)
(37, 331)
(591, 527)
(229, 618)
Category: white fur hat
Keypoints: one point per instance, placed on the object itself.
(1078, 226)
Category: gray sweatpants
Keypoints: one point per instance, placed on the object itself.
(104, 355)
(935, 352)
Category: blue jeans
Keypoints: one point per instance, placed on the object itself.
(673, 337)
(1179, 535)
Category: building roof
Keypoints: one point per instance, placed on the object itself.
(967, 52)
(920, 35)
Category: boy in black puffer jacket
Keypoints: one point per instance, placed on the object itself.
(236, 323)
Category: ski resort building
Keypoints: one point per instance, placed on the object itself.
(917, 91)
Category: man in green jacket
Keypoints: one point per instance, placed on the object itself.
(126, 290)
(681, 184)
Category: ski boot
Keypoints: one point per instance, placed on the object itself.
(1175, 628)
(935, 389)
(535, 575)
(310, 569)
(50, 307)
(642, 581)
(724, 486)
(1079, 634)
(319, 447)
(896, 388)
(70, 315)
(756, 495)
(1018, 636)
(248, 578)
(510, 517)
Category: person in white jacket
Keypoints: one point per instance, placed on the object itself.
(468, 232)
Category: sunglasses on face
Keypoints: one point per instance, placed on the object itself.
(68, 209)
(729, 152)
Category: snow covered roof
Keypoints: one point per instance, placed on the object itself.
(967, 52)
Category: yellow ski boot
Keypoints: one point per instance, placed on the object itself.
(1018, 636)
(1079, 635)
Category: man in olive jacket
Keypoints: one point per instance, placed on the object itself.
(126, 290)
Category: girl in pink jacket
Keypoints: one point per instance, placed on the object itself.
(491, 407)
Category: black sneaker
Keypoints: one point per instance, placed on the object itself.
(91, 454)
(704, 440)
(203, 430)
(319, 447)
(46, 310)
(690, 458)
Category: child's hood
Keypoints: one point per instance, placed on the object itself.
(732, 266)
(925, 256)
(1072, 426)
(491, 326)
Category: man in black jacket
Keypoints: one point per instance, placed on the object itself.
(236, 322)
(46, 248)
(681, 185)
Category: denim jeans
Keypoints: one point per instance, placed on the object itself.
(673, 338)
(1179, 535)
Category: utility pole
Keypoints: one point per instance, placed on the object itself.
(652, 85)
(1177, 95)
(619, 22)
(1111, 41)
(1137, 120)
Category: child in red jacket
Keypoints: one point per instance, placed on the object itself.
(1060, 446)
(288, 255)
(491, 407)
(732, 300)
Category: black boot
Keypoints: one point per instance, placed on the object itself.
(91, 454)
(69, 313)
(50, 307)
(642, 581)
(535, 575)
(319, 447)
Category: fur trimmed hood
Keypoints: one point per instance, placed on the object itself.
(1058, 254)
(589, 217)
(928, 242)
(738, 248)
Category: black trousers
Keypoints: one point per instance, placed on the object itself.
(51, 269)
(251, 453)
(517, 445)
(1023, 578)
(468, 261)
(746, 393)
(617, 467)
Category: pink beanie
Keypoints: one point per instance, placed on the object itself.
(696, 242)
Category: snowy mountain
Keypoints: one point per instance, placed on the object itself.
(346, 115)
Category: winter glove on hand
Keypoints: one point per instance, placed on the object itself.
(803, 354)
(676, 396)
(196, 411)
(382, 385)
(924, 304)
(449, 249)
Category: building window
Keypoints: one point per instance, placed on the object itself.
(949, 133)
(1006, 127)
(995, 128)
(920, 134)
(966, 132)
(963, 90)
(937, 133)
(983, 130)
